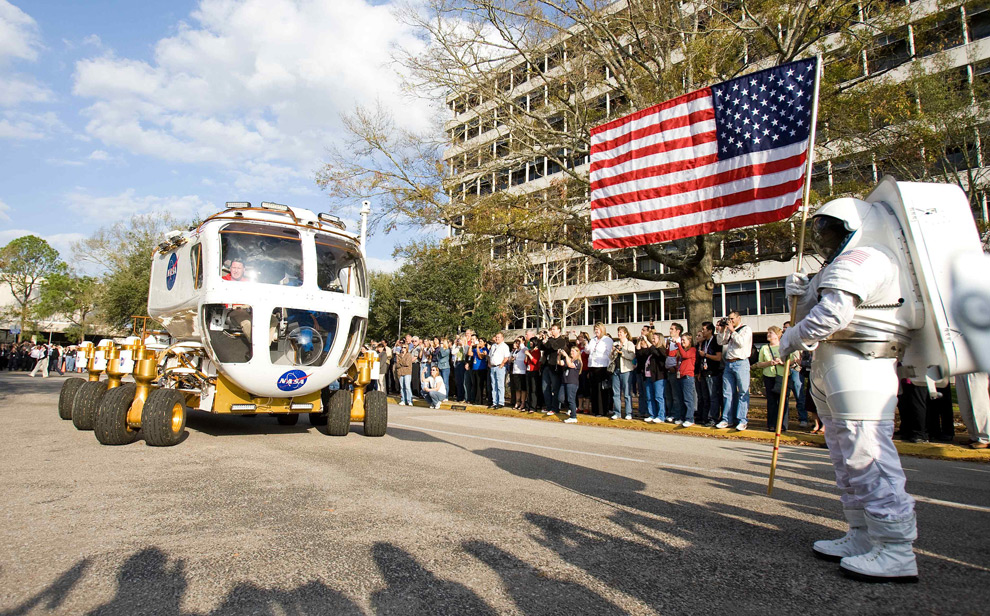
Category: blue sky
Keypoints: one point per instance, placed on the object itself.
(110, 108)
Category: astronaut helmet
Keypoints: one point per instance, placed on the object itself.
(834, 225)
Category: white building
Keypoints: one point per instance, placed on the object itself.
(957, 35)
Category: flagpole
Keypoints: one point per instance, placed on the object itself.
(782, 406)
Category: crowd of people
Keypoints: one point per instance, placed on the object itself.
(678, 378)
(657, 377)
(39, 359)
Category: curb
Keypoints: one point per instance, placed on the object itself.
(931, 451)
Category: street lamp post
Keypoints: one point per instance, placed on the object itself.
(401, 301)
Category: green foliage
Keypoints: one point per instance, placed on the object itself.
(24, 263)
(449, 288)
(71, 297)
(123, 251)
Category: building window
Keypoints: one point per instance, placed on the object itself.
(890, 50)
(646, 265)
(773, 300)
(622, 308)
(673, 305)
(575, 271)
(598, 310)
(938, 32)
(574, 313)
(978, 16)
(741, 296)
(648, 306)
(717, 300)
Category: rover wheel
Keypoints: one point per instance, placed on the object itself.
(86, 402)
(110, 424)
(318, 419)
(163, 419)
(375, 413)
(69, 390)
(287, 419)
(339, 413)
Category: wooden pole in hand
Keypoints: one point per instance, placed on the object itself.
(782, 406)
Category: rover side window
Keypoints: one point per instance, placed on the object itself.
(229, 327)
(261, 253)
(340, 267)
(196, 263)
(301, 337)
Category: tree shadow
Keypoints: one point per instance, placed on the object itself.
(53, 595)
(412, 589)
(534, 592)
(148, 583)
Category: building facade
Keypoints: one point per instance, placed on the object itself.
(574, 290)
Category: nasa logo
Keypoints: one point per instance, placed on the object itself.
(172, 271)
(292, 380)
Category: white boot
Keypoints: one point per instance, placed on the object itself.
(891, 559)
(855, 542)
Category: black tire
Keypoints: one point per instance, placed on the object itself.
(375, 413)
(110, 425)
(318, 419)
(86, 403)
(163, 419)
(287, 419)
(68, 395)
(339, 413)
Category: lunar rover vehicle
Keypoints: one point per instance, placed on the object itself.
(266, 306)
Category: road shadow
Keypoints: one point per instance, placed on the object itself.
(53, 595)
(223, 424)
(536, 593)
(150, 583)
(413, 589)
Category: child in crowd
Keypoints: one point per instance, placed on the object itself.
(685, 374)
(569, 382)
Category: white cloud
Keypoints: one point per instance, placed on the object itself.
(18, 34)
(383, 265)
(99, 155)
(23, 125)
(254, 85)
(4, 208)
(128, 202)
(19, 41)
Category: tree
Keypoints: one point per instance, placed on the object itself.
(72, 297)
(543, 74)
(450, 288)
(123, 252)
(24, 264)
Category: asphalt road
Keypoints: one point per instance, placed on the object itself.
(450, 513)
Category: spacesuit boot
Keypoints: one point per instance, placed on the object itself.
(891, 559)
(855, 542)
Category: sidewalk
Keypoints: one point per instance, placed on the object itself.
(935, 451)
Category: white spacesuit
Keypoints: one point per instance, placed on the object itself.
(857, 314)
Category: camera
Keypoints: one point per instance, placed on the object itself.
(723, 322)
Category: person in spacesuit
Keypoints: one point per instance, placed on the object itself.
(854, 317)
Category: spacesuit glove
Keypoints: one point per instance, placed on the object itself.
(796, 284)
(791, 341)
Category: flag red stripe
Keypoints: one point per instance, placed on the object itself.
(656, 170)
(745, 196)
(708, 181)
(684, 98)
(702, 115)
(657, 148)
(707, 227)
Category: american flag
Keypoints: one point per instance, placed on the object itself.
(727, 156)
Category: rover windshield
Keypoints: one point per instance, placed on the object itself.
(261, 253)
(340, 266)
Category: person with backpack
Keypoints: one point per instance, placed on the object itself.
(737, 346)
